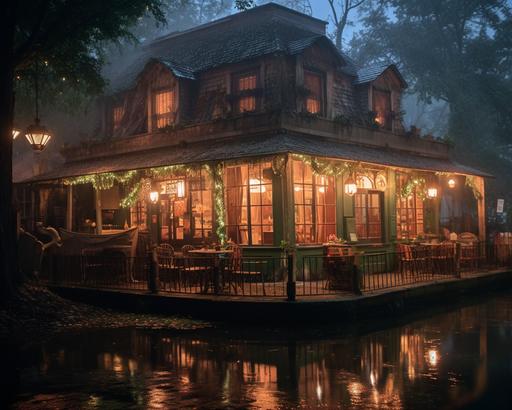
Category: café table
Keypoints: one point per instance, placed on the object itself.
(217, 255)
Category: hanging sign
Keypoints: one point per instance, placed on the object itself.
(500, 206)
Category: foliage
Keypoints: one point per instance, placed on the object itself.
(458, 52)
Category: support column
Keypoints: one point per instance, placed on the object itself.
(480, 185)
(69, 208)
(97, 203)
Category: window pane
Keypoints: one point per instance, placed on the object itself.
(245, 191)
(164, 108)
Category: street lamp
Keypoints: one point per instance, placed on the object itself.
(15, 133)
(451, 183)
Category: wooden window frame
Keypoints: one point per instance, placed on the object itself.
(249, 206)
(238, 95)
(314, 206)
(170, 115)
(322, 97)
(414, 222)
(388, 120)
(366, 238)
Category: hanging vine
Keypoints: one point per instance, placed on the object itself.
(216, 172)
(471, 184)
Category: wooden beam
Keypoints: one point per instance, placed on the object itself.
(480, 185)
(97, 203)
(69, 208)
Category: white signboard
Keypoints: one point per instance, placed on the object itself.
(500, 206)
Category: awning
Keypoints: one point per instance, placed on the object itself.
(255, 146)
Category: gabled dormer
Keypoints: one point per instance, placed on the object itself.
(156, 101)
(379, 89)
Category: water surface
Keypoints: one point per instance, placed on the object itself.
(459, 359)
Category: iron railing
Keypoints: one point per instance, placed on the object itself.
(275, 276)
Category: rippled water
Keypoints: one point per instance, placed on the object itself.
(458, 359)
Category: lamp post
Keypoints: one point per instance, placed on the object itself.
(155, 216)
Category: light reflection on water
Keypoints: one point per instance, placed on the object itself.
(454, 359)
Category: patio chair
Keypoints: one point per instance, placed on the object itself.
(167, 269)
(194, 270)
(469, 256)
(238, 272)
(443, 259)
(340, 269)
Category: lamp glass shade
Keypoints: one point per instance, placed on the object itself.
(180, 189)
(350, 187)
(432, 192)
(37, 136)
(451, 183)
(15, 133)
(153, 197)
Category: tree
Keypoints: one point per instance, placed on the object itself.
(341, 10)
(456, 51)
(67, 37)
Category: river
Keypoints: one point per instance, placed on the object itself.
(461, 358)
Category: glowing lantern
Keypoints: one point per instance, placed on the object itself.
(153, 197)
(350, 186)
(38, 136)
(180, 189)
(451, 183)
(432, 192)
(15, 133)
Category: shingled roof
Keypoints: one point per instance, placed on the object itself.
(254, 146)
(264, 30)
(371, 73)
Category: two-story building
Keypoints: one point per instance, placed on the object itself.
(254, 128)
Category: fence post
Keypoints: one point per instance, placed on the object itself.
(458, 272)
(356, 280)
(153, 281)
(291, 289)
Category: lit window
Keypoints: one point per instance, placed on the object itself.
(245, 88)
(138, 215)
(118, 114)
(313, 83)
(315, 205)
(368, 213)
(249, 204)
(165, 108)
(409, 213)
(382, 108)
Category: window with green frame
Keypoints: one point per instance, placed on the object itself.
(315, 205)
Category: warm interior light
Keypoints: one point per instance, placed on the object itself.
(153, 196)
(255, 186)
(297, 188)
(451, 183)
(350, 186)
(180, 188)
(321, 189)
(37, 136)
(432, 192)
(15, 133)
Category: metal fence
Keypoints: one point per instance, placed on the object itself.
(277, 277)
(255, 276)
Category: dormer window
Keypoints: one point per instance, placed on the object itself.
(382, 108)
(117, 116)
(165, 108)
(245, 88)
(313, 82)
